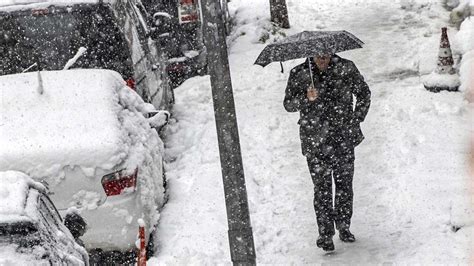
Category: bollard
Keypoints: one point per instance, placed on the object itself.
(142, 248)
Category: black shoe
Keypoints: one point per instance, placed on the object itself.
(325, 243)
(346, 236)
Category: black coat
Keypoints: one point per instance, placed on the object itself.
(330, 122)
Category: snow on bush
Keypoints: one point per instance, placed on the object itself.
(462, 9)
(257, 27)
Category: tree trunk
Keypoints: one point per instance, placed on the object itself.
(279, 13)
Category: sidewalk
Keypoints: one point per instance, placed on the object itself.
(411, 189)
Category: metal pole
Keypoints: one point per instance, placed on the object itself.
(279, 13)
(311, 72)
(240, 234)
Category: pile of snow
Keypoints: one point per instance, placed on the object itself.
(144, 148)
(465, 44)
(13, 197)
(441, 80)
(254, 26)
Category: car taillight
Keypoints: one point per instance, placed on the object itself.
(131, 83)
(40, 12)
(116, 183)
(177, 67)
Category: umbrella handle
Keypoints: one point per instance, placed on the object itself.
(311, 72)
(281, 65)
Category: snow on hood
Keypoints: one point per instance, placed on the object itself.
(73, 123)
(14, 195)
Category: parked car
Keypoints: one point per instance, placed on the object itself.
(46, 34)
(31, 229)
(181, 32)
(86, 134)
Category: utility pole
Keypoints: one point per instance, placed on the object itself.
(279, 13)
(242, 249)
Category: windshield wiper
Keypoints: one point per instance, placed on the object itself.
(29, 68)
(73, 60)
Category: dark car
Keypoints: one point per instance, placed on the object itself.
(185, 48)
(46, 35)
(31, 229)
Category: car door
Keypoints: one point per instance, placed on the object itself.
(154, 61)
(138, 54)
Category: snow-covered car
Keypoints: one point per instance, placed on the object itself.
(45, 34)
(31, 229)
(88, 135)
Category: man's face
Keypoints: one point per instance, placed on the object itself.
(322, 61)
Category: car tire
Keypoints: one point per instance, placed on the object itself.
(150, 247)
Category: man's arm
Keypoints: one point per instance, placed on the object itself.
(362, 93)
(295, 98)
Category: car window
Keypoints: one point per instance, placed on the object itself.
(53, 214)
(17, 228)
(51, 39)
(139, 21)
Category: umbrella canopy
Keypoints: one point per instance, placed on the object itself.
(308, 44)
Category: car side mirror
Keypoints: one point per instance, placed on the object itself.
(76, 224)
(158, 119)
(161, 26)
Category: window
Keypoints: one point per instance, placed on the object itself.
(53, 38)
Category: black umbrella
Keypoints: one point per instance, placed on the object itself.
(308, 44)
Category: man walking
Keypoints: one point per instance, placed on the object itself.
(322, 90)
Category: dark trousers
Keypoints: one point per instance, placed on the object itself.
(340, 166)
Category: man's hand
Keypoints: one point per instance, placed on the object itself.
(312, 94)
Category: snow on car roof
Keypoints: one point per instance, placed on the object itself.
(14, 196)
(73, 123)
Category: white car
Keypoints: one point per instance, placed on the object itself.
(31, 230)
(85, 133)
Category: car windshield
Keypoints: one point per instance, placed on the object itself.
(17, 228)
(52, 37)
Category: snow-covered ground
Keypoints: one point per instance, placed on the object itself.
(412, 197)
